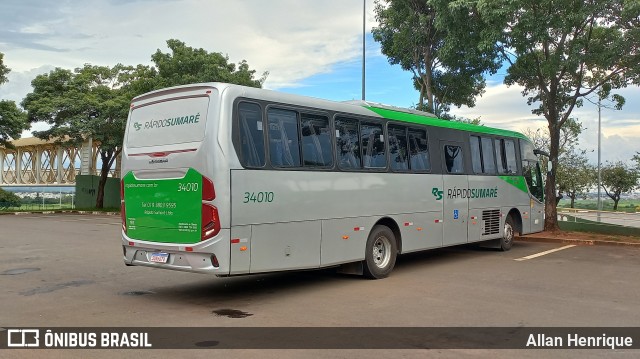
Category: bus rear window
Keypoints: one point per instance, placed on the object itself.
(168, 122)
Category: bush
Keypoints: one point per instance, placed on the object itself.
(8, 199)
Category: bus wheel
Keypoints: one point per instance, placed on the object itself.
(381, 252)
(507, 237)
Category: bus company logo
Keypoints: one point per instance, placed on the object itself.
(437, 193)
(137, 125)
(23, 338)
(171, 122)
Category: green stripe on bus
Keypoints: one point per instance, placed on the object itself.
(517, 182)
(436, 122)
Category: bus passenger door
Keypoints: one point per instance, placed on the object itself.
(456, 201)
(533, 177)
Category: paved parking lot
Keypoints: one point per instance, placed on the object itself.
(67, 271)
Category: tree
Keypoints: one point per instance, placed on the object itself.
(4, 70)
(93, 101)
(560, 51)
(568, 141)
(89, 102)
(575, 175)
(8, 199)
(618, 178)
(12, 119)
(185, 65)
(440, 45)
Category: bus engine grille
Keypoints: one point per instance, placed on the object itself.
(491, 220)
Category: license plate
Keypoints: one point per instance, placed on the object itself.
(159, 257)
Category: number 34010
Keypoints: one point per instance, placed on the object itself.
(258, 197)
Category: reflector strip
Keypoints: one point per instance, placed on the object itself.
(188, 249)
(131, 244)
(439, 221)
(407, 224)
(358, 229)
(162, 154)
(235, 240)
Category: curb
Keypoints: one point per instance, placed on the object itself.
(584, 242)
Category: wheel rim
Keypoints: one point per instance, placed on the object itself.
(381, 252)
(508, 233)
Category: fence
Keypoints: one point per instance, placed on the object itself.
(622, 223)
(37, 206)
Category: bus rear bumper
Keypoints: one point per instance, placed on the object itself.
(209, 257)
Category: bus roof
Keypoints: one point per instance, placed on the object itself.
(359, 107)
(423, 118)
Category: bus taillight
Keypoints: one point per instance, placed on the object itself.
(123, 214)
(210, 221)
(208, 192)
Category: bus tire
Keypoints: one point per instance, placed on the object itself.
(506, 242)
(380, 253)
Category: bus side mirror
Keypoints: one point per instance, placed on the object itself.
(540, 152)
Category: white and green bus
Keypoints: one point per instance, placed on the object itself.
(232, 180)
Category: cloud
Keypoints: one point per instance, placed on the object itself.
(291, 39)
(20, 83)
(309, 47)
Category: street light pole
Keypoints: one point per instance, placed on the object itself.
(599, 158)
(364, 18)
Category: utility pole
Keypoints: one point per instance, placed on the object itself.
(599, 157)
(364, 19)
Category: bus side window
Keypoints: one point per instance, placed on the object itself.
(510, 154)
(500, 158)
(476, 158)
(251, 134)
(284, 148)
(453, 159)
(348, 143)
(316, 141)
(488, 162)
(482, 155)
(373, 145)
(398, 150)
(419, 150)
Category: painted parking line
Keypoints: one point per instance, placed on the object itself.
(544, 253)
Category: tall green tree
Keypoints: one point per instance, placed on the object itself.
(560, 51)
(618, 178)
(441, 45)
(12, 119)
(575, 176)
(93, 101)
(185, 65)
(89, 102)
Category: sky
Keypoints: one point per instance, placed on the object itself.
(309, 47)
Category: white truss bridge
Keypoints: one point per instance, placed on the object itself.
(36, 162)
